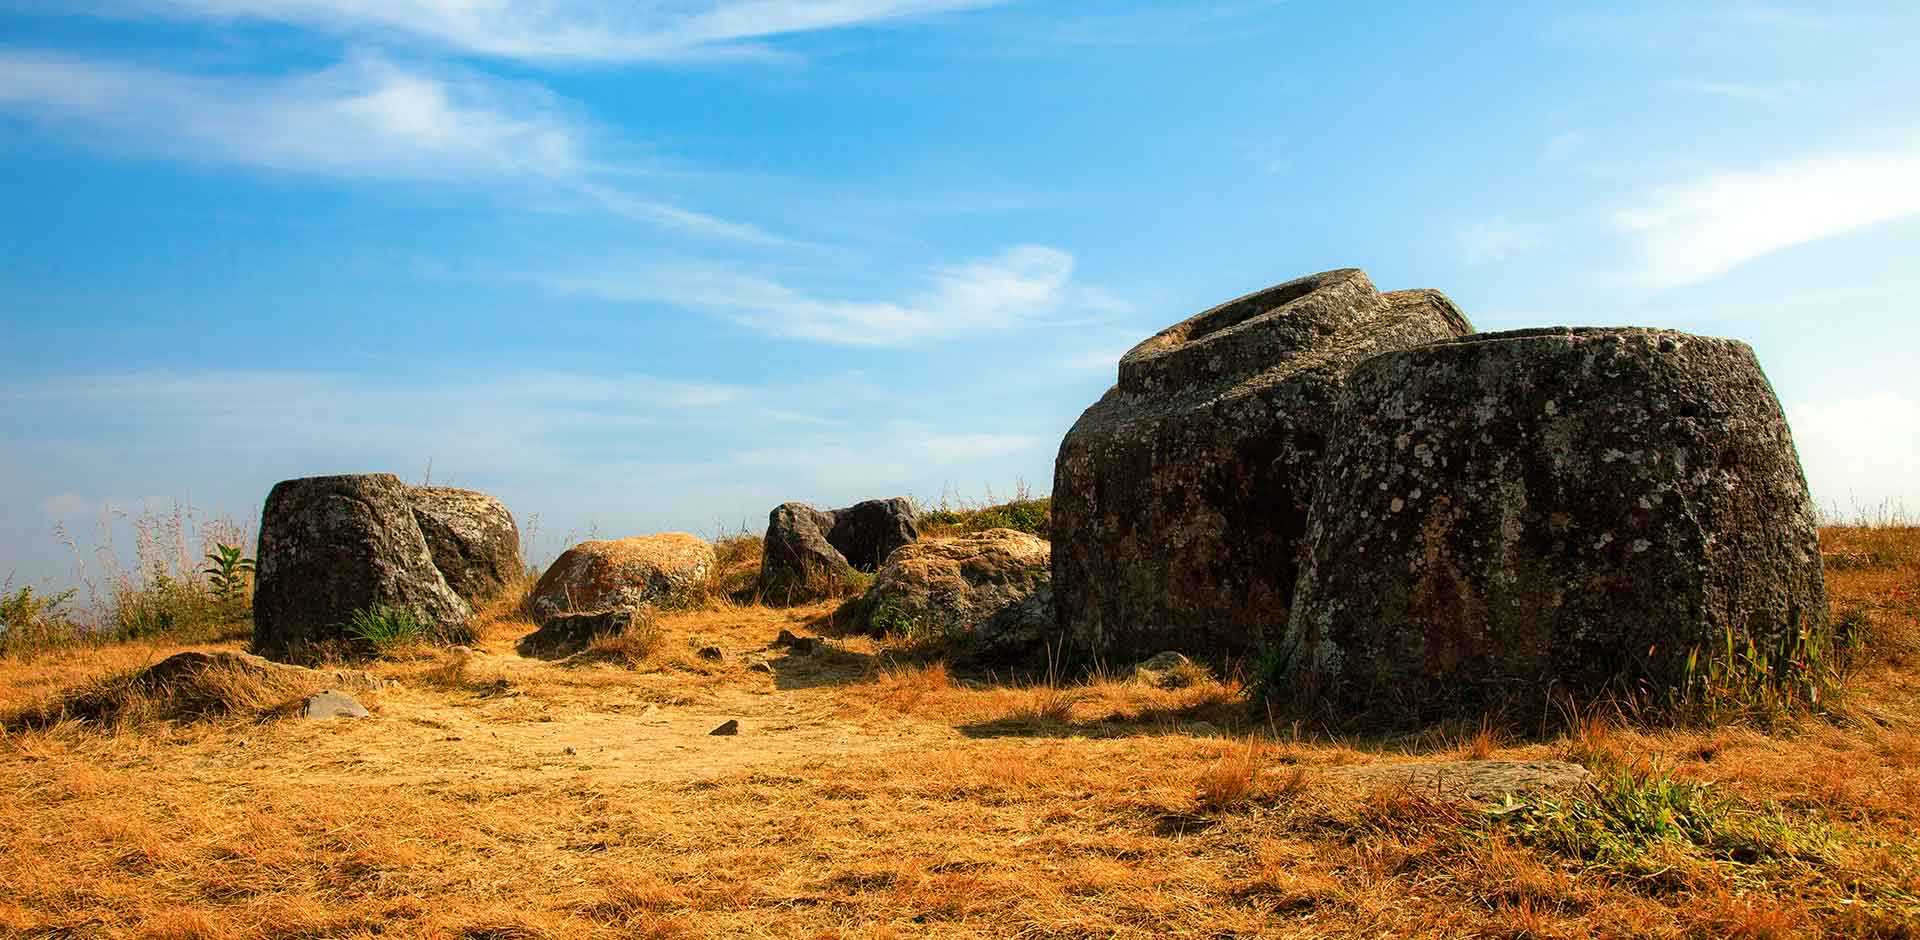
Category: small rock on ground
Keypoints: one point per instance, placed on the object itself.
(730, 726)
(332, 704)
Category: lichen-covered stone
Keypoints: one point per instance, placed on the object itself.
(1552, 513)
(1179, 498)
(334, 545)
(473, 538)
(809, 554)
(660, 570)
(993, 587)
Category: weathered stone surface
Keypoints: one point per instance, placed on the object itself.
(1179, 498)
(797, 563)
(564, 634)
(331, 703)
(1474, 781)
(1514, 516)
(473, 538)
(992, 585)
(866, 533)
(658, 570)
(330, 546)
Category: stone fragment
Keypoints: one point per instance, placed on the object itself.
(729, 727)
(564, 634)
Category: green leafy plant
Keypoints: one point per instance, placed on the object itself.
(386, 628)
(228, 573)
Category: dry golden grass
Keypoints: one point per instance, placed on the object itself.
(871, 793)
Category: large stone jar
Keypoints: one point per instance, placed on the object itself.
(1522, 519)
(1179, 498)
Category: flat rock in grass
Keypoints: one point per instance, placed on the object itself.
(332, 704)
(1483, 781)
(565, 634)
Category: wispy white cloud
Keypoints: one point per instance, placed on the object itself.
(367, 117)
(1020, 285)
(1498, 239)
(1748, 92)
(565, 30)
(1861, 455)
(1701, 229)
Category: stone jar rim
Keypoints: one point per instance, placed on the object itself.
(1248, 333)
(1538, 334)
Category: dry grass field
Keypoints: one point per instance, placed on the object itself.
(876, 792)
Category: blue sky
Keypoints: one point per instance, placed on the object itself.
(661, 264)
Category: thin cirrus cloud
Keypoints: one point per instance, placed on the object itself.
(565, 30)
(367, 117)
(1021, 285)
(1701, 229)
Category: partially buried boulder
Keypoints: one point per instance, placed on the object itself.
(332, 546)
(655, 570)
(993, 587)
(473, 538)
(809, 554)
(562, 635)
(1180, 497)
(1521, 517)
